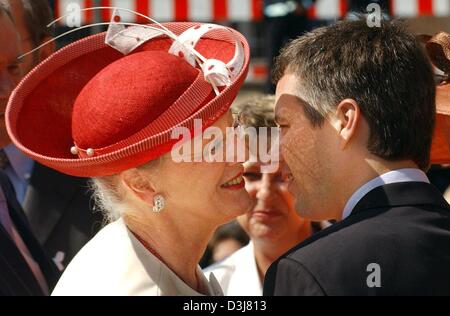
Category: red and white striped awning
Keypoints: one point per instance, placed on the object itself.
(239, 10)
(173, 10)
(414, 8)
(332, 9)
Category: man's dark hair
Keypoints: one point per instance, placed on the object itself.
(37, 15)
(384, 69)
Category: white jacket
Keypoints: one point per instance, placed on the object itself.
(115, 263)
(238, 274)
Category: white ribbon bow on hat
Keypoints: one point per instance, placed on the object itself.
(216, 72)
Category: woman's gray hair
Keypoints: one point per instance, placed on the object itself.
(110, 195)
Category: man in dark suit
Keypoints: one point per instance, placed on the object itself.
(24, 267)
(356, 107)
(58, 206)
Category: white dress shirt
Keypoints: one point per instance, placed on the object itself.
(238, 274)
(115, 263)
(396, 176)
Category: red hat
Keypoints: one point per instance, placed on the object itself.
(109, 102)
(438, 48)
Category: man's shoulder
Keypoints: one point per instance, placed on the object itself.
(403, 242)
(374, 229)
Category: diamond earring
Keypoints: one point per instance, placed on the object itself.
(158, 203)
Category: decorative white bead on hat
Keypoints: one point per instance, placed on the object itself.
(74, 150)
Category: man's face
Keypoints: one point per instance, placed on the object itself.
(308, 152)
(10, 69)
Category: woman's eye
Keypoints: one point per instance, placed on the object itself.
(252, 176)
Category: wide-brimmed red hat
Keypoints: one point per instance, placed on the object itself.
(109, 102)
(438, 48)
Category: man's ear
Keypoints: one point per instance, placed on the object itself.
(139, 185)
(46, 50)
(348, 117)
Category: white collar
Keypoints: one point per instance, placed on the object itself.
(396, 176)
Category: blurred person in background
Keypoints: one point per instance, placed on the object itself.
(273, 224)
(438, 49)
(58, 206)
(227, 239)
(24, 267)
(285, 20)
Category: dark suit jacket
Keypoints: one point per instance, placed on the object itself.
(404, 228)
(16, 278)
(60, 212)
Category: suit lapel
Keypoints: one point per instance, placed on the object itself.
(49, 194)
(19, 219)
(15, 273)
(47, 267)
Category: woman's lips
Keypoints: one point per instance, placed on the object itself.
(237, 183)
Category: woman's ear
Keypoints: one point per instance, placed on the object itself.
(348, 116)
(139, 185)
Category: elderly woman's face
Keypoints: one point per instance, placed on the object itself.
(273, 213)
(213, 191)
